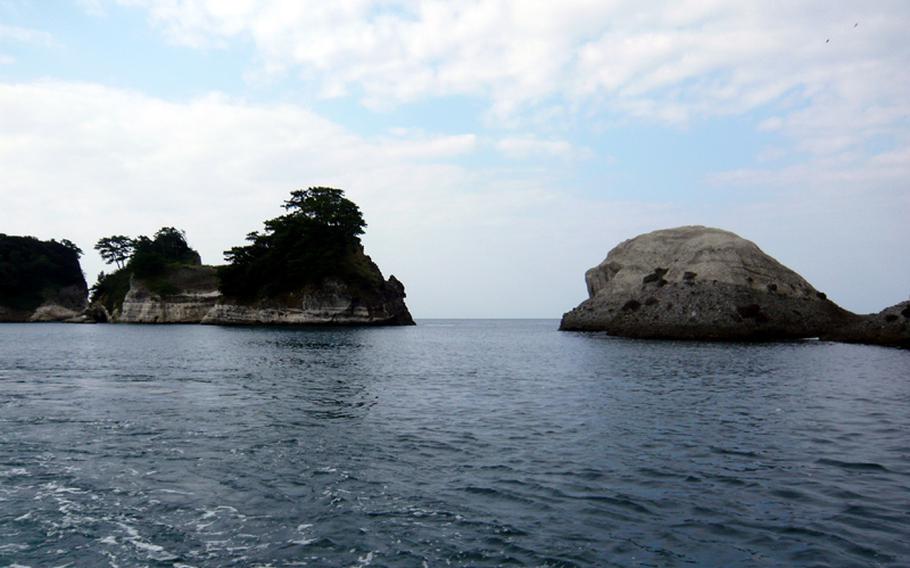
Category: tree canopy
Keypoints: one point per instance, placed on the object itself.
(145, 257)
(31, 270)
(313, 241)
(166, 245)
(116, 249)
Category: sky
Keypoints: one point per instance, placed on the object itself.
(497, 148)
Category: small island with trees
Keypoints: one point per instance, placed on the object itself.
(40, 280)
(306, 267)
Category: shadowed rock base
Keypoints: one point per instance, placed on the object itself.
(710, 311)
(889, 327)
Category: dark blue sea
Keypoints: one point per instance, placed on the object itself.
(453, 443)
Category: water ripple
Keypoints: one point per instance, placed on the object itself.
(459, 443)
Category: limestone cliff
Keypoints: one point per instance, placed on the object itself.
(700, 283)
(334, 303)
(185, 294)
(189, 294)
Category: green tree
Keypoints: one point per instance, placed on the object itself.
(32, 271)
(327, 207)
(171, 244)
(314, 240)
(143, 257)
(72, 246)
(116, 249)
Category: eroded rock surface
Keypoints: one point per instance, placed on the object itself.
(890, 327)
(190, 295)
(334, 303)
(700, 283)
(186, 295)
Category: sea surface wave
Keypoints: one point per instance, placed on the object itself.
(453, 443)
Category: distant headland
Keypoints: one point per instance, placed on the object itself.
(307, 267)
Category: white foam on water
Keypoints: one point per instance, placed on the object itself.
(173, 491)
(153, 550)
(56, 488)
(364, 560)
(14, 472)
(110, 539)
(130, 531)
(209, 513)
(302, 529)
(112, 558)
(147, 546)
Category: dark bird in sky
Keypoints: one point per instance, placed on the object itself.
(856, 24)
(828, 40)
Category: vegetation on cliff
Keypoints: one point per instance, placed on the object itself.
(149, 258)
(318, 239)
(33, 272)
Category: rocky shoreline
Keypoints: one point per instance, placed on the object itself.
(199, 301)
(689, 283)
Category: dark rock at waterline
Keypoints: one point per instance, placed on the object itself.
(890, 326)
(700, 283)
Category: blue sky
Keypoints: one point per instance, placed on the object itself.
(498, 149)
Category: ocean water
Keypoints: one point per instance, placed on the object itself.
(453, 443)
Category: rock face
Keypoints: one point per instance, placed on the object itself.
(190, 295)
(65, 305)
(334, 303)
(55, 312)
(187, 295)
(41, 280)
(890, 327)
(700, 283)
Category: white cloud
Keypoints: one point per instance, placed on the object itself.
(6, 59)
(494, 241)
(94, 8)
(26, 35)
(832, 77)
(704, 56)
(521, 148)
(82, 161)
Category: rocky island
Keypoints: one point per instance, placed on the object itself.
(40, 280)
(702, 283)
(191, 294)
(307, 267)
